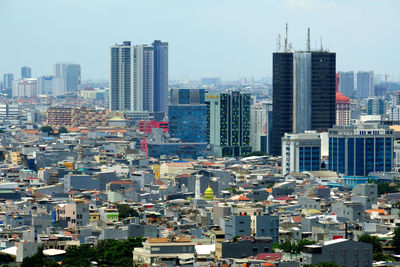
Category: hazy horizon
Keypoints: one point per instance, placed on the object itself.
(226, 38)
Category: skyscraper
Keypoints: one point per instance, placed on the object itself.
(73, 79)
(7, 82)
(228, 123)
(346, 83)
(260, 128)
(139, 77)
(187, 115)
(160, 95)
(67, 77)
(365, 84)
(26, 72)
(304, 85)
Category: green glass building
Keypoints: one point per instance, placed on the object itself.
(228, 123)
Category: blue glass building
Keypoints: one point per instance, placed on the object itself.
(359, 150)
(187, 115)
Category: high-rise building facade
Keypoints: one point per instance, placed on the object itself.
(26, 72)
(8, 82)
(304, 85)
(359, 150)
(365, 84)
(187, 115)
(139, 77)
(25, 88)
(346, 83)
(376, 106)
(343, 109)
(228, 123)
(160, 94)
(73, 79)
(301, 152)
(260, 127)
(67, 77)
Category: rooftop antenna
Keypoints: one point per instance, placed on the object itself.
(278, 43)
(286, 38)
(308, 40)
(322, 48)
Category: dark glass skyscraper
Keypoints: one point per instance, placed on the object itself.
(187, 115)
(304, 85)
(160, 95)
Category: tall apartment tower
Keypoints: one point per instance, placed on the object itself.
(228, 123)
(160, 95)
(304, 90)
(26, 72)
(346, 84)
(138, 72)
(365, 84)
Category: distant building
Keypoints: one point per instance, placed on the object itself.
(25, 88)
(187, 115)
(260, 127)
(59, 117)
(365, 84)
(148, 126)
(376, 106)
(8, 82)
(394, 114)
(45, 85)
(67, 77)
(147, 69)
(359, 150)
(346, 84)
(228, 123)
(26, 72)
(210, 81)
(304, 86)
(343, 109)
(301, 152)
(343, 252)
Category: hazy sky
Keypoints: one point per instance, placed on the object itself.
(226, 38)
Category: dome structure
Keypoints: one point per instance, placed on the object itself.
(209, 193)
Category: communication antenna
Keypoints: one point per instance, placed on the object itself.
(322, 48)
(286, 38)
(308, 40)
(278, 43)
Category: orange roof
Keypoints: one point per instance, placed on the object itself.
(179, 164)
(269, 190)
(340, 98)
(31, 131)
(379, 211)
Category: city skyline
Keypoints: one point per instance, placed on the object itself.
(248, 27)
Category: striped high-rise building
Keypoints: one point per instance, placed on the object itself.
(139, 77)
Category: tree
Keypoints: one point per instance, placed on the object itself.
(126, 211)
(396, 240)
(38, 260)
(373, 240)
(302, 243)
(255, 153)
(46, 129)
(5, 258)
(62, 129)
(380, 256)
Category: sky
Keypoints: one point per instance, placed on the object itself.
(207, 38)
